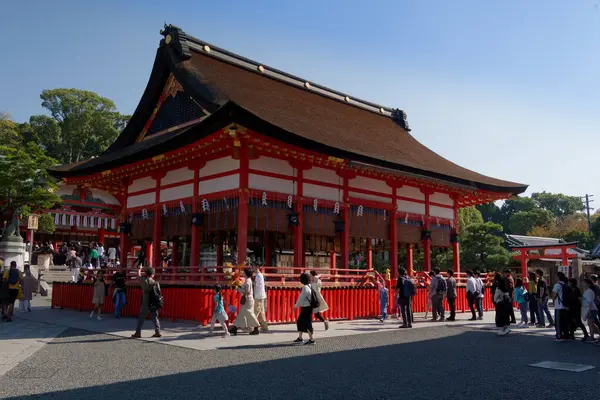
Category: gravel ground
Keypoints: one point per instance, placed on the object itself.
(443, 363)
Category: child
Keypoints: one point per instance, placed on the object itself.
(219, 313)
(383, 300)
(522, 298)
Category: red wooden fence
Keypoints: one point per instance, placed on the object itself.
(196, 303)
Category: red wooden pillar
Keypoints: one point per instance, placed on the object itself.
(409, 260)
(394, 245)
(195, 239)
(427, 242)
(455, 243)
(124, 237)
(149, 249)
(268, 249)
(345, 238)
(242, 222)
(564, 252)
(523, 263)
(369, 253)
(101, 234)
(154, 257)
(299, 229)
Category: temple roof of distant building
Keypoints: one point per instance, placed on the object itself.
(550, 245)
(227, 88)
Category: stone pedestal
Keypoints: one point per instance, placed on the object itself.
(12, 248)
(43, 261)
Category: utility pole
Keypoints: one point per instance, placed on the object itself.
(587, 209)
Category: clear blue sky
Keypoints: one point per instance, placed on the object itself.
(508, 88)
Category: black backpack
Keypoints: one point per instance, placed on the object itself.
(314, 300)
(568, 298)
(13, 276)
(155, 300)
(442, 286)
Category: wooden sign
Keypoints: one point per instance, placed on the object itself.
(32, 222)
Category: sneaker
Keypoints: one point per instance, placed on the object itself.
(442, 320)
(157, 334)
(480, 317)
(92, 314)
(380, 320)
(136, 335)
(403, 326)
(309, 342)
(550, 325)
(298, 341)
(99, 318)
(254, 332)
(540, 326)
(327, 325)
(450, 319)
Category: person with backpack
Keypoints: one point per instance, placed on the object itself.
(152, 302)
(562, 296)
(522, 299)
(439, 289)
(406, 290)
(307, 302)
(451, 295)
(11, 284)
(575, 311)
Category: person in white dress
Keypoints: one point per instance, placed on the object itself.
(316, 285)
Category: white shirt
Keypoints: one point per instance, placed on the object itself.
(471, 285)
(588, 302)
(259, 286)
(479, 286)
(112, 253)
(304, 297)
(100, 251)
(558, 305)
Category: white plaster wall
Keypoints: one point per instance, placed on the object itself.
(322, 192)
(177, 175)
(177, 192)
(370, 197)
(219, 165)
(141, 200)
(141, 184)
(105, 196)
(273, 165)
(219, 184)
(411, 192)
(410, 207)
(373, 185)
(441, 212)
(323, 175)
(271, 184)
(441, 198)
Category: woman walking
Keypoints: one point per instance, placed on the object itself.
(27, 287)
(503, 306)
(246, 319)
(99, 294)
(316, 286)
(590, 310)
(304, 322)
(430, 292)
(533, 304)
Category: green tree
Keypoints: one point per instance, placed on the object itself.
(490, 212)
(482, 247)
(558, 204)
(83, 124)
(46, 224)
(468, 216)
(586, 240)
(9, 131)
(522, 222)
(25, 185)
(513, 206)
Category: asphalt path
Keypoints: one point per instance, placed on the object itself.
(436, 363)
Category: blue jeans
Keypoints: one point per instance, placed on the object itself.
(543, 308)
(120, 300)
(384, 307)
(524, 307)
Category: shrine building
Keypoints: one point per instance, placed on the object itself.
(227, 155)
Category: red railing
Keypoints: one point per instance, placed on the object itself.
(189, 303)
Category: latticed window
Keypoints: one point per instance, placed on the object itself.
(175, 111)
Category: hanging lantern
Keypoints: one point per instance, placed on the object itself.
(338, 226)
(293, 219)
(144, 216)
(406, 219)
(425, 235)
(454, 238)
(360, 211)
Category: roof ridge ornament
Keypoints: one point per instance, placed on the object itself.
(399, 116)
(177, 40)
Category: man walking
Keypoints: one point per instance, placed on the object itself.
(260, 298)
(542, 297)
(451, 294)
(510, 287)
(479, 288)
(405, 291)
(439, 288)
(471, 294)
(151, 302)
(119, 279)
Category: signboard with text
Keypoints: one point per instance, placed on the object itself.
(32, 222)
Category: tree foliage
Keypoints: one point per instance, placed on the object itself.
(482, 247)
(558, 203)
(523, 221)
(46, 224)
(82, 124)
(468, 216)
(25, 185)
